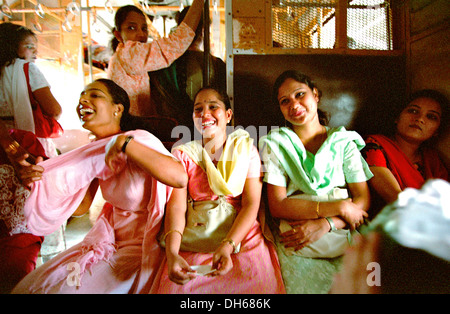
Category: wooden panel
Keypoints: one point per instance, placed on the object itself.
(430, 68)
(251, 24)
(417, 5)
(249, 8)
(429, 16)
(249, 33)
(430, 64)
(358, 92)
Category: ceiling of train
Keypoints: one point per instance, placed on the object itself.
(57, 19)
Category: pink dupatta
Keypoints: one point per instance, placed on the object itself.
(51, 203)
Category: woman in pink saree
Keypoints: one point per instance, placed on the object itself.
(135, 173)
(220, 166)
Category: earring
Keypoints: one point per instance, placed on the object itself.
(115, 114)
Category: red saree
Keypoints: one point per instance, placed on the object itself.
(407, 175)
(380, 151)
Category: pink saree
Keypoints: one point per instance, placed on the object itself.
(120, 253)
(255, 268)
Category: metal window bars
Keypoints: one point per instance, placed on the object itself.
(311, 24)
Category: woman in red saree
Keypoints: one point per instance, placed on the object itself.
(404, 159)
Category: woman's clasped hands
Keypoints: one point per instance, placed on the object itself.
(351, 213)
(305, 232)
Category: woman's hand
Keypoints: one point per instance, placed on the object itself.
(222, 259)
(27, 172)
(351, 213)
(304, 232)
(179, 270)
(163, 167)
(113, 151)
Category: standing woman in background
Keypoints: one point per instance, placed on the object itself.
(134, 57)
(19, 49)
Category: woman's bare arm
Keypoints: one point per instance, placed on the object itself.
(385, 184)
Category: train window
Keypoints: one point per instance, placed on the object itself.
(312, 24)
(304, 24)
(369, 25)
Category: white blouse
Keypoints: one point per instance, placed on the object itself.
(37, 81)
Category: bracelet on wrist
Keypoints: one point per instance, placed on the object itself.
(127, 141)
(231, 242)
(12, 148)
(169, 232)
(331, 223)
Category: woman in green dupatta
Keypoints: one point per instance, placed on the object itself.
(321, 165)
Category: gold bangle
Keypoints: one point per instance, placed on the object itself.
(231, 242)
(169, 232)
(12, 148)
(317, 210)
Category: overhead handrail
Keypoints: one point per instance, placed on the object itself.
(206, 44)
(74, 8)
(6, 11)
(39, 10)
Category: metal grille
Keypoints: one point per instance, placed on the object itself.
(311, 24)
(303, 23)
(369, 25)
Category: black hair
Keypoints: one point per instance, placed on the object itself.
(128, 122)
(438, 97)
(11, 35)
(223, 96)
(119, 18)
(301, 78)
